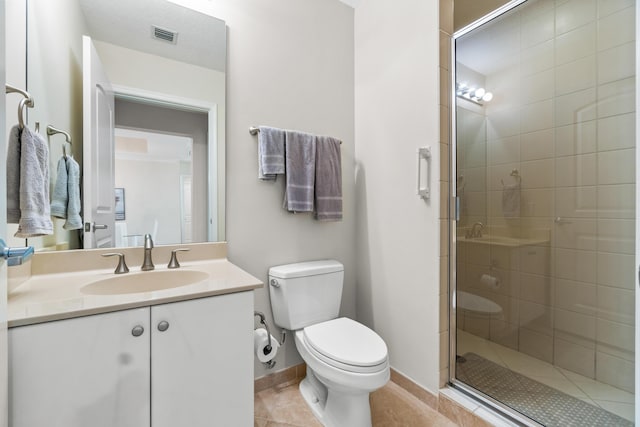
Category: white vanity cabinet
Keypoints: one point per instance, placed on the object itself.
(187, 363)
(88, 371)
(202, 365)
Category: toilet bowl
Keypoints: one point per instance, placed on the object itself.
(475, 304)
(345, 362)
(345, 359)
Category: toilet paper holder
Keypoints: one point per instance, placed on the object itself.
(267, 349)
(263, 321)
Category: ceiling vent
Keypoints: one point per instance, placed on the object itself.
(164, 35)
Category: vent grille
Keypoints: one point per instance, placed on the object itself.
(164, 34)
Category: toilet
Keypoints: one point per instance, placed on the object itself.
(475, 304)
(345, 360)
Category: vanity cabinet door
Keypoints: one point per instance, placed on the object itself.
(89, 371)
(202, 362)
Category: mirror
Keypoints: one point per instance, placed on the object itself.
(166, 66)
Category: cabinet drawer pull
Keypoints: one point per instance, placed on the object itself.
(137, 331)
(163, 326)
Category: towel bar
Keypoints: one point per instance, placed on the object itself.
(254, 131)
(26, 101)
(53, 131)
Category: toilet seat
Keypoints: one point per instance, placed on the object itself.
(346, 344)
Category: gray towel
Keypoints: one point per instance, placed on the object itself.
(13, 176)
(300, 165)
(270, 153)
(74, 221)
(328, 179)
(35, 217)
(60, 195)
(511, 200)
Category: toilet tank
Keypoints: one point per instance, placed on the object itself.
(305, 293)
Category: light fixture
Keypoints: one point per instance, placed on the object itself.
(472, 94)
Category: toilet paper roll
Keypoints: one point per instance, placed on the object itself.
(260, 342)
(490, 281)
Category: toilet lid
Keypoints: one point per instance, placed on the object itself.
(347, 342)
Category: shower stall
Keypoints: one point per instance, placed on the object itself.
(544, 236)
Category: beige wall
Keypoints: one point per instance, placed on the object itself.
(290, 65)
(398, 245)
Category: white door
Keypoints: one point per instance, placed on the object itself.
(98, 145)
(89, 371)
(201, 363)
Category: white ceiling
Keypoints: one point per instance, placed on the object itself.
(201, 38)
(352, 3)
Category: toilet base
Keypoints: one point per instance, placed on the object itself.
(335, 408)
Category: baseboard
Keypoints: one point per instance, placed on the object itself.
(441, 403)
(420, 393)
(284, 376)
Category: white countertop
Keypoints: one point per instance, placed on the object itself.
(57, 296)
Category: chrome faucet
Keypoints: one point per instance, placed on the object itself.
(475, 231)
(148, 246)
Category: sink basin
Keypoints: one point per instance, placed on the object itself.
(144, 281)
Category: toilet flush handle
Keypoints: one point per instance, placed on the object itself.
(274, 283)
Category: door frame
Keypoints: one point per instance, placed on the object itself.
(637, 263)
(214, 149)
(452, 223)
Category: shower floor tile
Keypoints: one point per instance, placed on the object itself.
(607, 397)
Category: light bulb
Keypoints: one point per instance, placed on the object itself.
(488, 96)
(479, 93)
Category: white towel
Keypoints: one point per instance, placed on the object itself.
(511, 200)
(13, 176)
(60, 195)
(300, 166)
(74, 220)
(35, 217)
(270, 153)
(328, 185)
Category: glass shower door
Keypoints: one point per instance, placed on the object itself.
(545, 244)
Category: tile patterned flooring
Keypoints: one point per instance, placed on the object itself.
(609, 398)
(391, 406)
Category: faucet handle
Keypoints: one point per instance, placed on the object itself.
(122, 265)
(173, 263)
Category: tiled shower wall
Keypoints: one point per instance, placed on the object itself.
(563, 117)
(445, 33)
